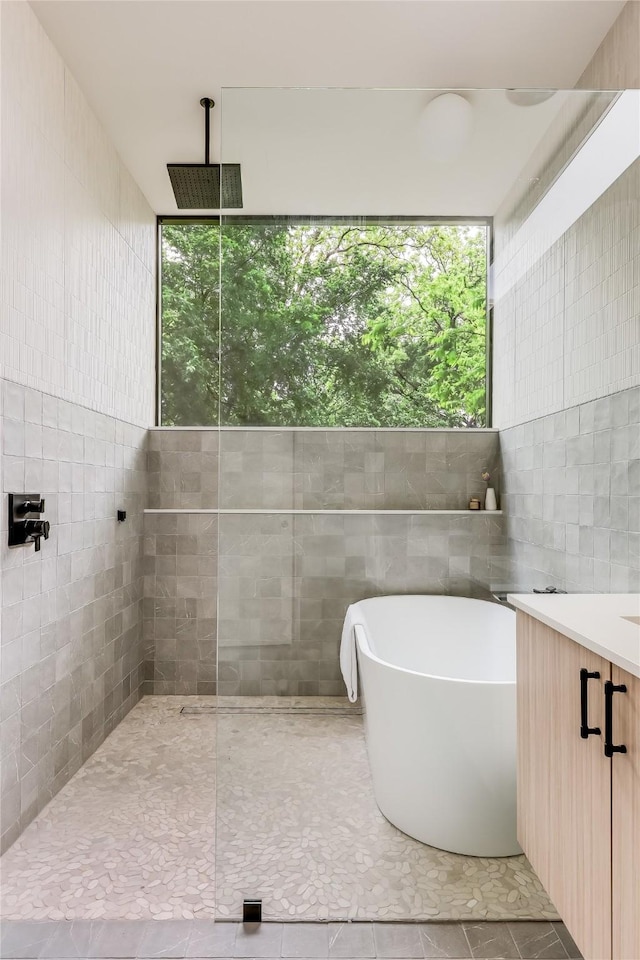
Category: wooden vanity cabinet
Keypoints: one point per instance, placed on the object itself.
(625, 820)
(579, 811)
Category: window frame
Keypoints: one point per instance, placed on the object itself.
(258, 219)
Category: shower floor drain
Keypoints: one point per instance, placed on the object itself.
(209, 709)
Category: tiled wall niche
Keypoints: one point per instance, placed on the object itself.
(72, 613)
(284, 580)
(314, 469)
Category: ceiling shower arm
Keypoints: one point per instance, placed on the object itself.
(206, 186)
(207, 103)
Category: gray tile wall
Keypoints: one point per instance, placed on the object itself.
(180, 603)
(320, 469)
(571, 476)
(572, 497)
(182, 469)
(286, 581)
(566, 319)
(72, 613)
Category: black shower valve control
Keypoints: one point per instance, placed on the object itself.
(25, 529)
(35, 529)
(31, 506)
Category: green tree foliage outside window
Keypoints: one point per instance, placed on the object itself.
(291, 324)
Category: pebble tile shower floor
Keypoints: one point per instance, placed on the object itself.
(132, 836)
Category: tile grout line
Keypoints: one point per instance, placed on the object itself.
(464, 931)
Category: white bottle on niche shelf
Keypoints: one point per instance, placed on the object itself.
(490, 499)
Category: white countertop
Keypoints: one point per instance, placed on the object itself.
(594, 620)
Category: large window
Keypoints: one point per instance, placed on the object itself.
(323, 323)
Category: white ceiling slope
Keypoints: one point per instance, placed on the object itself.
(144, 64)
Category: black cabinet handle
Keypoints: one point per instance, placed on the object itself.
(609, 689)
(585, 729)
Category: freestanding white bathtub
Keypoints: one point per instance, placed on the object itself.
(438, 683)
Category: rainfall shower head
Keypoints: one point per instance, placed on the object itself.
(206, 186)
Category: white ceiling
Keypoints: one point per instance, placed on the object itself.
(366, 152)
(144, 64)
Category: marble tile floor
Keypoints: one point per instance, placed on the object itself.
(133, 835)
(35, 940)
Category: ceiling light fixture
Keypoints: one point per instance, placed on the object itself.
(528, 98)
(445, 127)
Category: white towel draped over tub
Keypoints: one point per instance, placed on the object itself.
(348, 657)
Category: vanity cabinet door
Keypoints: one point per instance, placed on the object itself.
(625, 771)
(564, 781)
